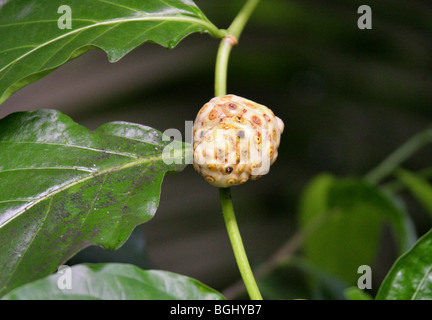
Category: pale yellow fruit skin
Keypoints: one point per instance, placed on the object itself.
(233, 139)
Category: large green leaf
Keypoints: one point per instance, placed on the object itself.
(114, 281)
(63, 188)
(343, 219)
(410, 278)
(32, 44)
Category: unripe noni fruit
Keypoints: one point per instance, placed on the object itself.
(234, 140)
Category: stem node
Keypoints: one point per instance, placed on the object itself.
(232, 41)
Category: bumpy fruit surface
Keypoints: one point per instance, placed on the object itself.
(234, 140)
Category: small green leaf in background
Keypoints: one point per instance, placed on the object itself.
(354, 293)
(419, 187)
(32, 44)
(115, 281)
(410, 278)
(346, 217)
(298, 279)
(64, 188)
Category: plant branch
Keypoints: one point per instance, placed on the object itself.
(233, 35)
(237, 244)
(231, 39)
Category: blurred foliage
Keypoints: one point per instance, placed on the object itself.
(298, 279)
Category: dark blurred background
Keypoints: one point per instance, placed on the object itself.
(348, 98)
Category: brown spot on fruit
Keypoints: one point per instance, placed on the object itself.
(257, 138)
(232, 181)
(226, 98)
(210, 178)
(212, 167)
(256, 120)
(213, 114)
(241, 168)
(271, 152)
(232, 106)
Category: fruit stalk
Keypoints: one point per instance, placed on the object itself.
(234, 32)
(237, 244)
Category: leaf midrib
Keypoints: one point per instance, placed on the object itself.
(124, 154)
(207, 25)
(28, 246)
(82, 180)
(420, 286)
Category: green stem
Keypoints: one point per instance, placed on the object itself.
(233, 34)
(237, 244)
(221, 68)
(399, 155)
(234, 30)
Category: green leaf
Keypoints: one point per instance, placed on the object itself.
(298, 279)
(32, 44)
(354, 293)
(410, 278)
(63, 188)
(343, 219)
(418, 186)
(114, 281)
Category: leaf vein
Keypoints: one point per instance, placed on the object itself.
(84, 169)
(29, 245)
(422, 281)
(120, 6)
(175, 18)
(129, 155)
(72, 183)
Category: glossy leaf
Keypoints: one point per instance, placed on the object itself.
(32, 43)
(114, 281)
(419, 187)
(63, 188)
(343, 219)
(410, 278)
